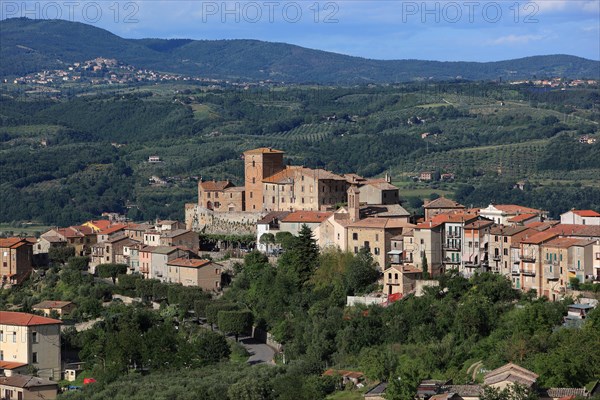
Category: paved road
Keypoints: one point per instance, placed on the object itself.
(260, 353)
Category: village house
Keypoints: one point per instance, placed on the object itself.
(270, 223)
(258, 165)
(402, 248)
(27, 387)
(16, 260)
(168, 225)
(556, 259)
(596, 262)
(194, 272)
(221, 196)
(98, 225)
(501, 240)
(441, 205)
(400, 279)
(294, 221)
(502, 213)
(157, 259)
(111, 232)
(131, 255)
(524, 219)
(31, 340)
(109, 252)
(181, 237)
(379, 191)
(375, 235)
(527, 273)
(61, 308)
(81, 238)
(475, 249)
(136, 231)
(151, 238)
(580, 217)
(300, 188)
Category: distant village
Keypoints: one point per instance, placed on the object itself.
(109, 71)
(345, 212)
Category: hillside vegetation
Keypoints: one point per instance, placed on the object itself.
(35, 45)
(64, 159)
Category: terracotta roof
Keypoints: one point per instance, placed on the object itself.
(100, 223)
(382, 223)
(112, 229)
(292, 171)
(190, 262)
(564, 392)
(263, 150)
(502, 230)
(515, 209)
(175, 233)
(267, 219)
(52, 239)
(307, 216)
(52, 304)
(384, 210)
(576, 230)
(26, 381)
(510, 372)
(235, 189)
(13, 242)
(586, 213)
(440, 219)
(540, 237)
(463, 390)
(542, 226)
(443, 202)
(283, 176)
(380, 184)
(563, 243)
(522, 217)
(215, 185)
(11, 365)
(479, 224)
(24, 319)
(164, 249)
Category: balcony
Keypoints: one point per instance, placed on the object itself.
(527, 272)
(472, 264)
(551, 273)
(497, 257)
(530, 258)
(452, 234)
(448, 260)
(393, 282)
(515, 270)
(451, 246)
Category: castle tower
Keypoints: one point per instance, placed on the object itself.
(259, 164)
(353, 203)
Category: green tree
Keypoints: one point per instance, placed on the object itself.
(235, 322)
(512, 392)
(111, 271)
(212, 311)
(60, 255)
(362, 272)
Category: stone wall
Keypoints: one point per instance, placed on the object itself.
(201, 219)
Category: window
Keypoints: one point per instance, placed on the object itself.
(34, 337)
(34, 357)
(355, 249)
(208, 195)
(1, 336)
(253, 163)
(216, 271)
(505, 239)
(253, 180)
(377, 237)
(422, 241)
(250, 194)
(14, 337)
(376, 251)
(496, 238)
(338, 236)
(273, 199)
(1, 355)
(355, 236)
(505, 252)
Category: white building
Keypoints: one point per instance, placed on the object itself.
(580, 217)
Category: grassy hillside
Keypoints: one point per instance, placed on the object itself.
(34, 45)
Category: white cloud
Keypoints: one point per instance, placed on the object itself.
(516, 39)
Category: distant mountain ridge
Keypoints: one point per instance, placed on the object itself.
(33, 45)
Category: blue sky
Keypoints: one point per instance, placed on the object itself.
(444, 30)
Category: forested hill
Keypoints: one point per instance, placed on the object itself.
(34, 45)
